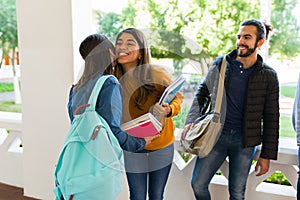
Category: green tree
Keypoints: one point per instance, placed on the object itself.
(169, 42)
(166, 23)
(201, 30)
(8, 29)
(286, 38)
(9, 39)
(220, 22)
(109, 24)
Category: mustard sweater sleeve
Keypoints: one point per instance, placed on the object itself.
(161, 77)
(175, 104)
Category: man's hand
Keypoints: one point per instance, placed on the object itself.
(262, 165)
(186, 129)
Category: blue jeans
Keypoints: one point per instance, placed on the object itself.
(240, 159)
(298, 183)
(148, 169)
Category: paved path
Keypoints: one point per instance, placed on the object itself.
(7, 96)
(286, 106)
(6, 73)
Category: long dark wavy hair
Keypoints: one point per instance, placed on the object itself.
(96, 51)
(143, 69)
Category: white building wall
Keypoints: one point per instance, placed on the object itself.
(49, 34)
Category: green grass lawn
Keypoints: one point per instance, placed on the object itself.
(10, 106)
(285, 127)
(6, 87)
(288, 91)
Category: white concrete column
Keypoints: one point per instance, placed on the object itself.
(49, 34)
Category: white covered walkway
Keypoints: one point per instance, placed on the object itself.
(49, 34)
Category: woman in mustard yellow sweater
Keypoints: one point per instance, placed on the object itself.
(142, 86)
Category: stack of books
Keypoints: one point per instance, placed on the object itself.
(143, 126)
(148, 124)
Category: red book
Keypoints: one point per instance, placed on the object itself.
(143, 126)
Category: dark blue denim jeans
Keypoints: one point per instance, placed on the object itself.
(298, 183)
(148, 170)
(240, 159)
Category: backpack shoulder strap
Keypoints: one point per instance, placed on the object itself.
(94, 95)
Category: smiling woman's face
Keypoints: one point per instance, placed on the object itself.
(127, 51)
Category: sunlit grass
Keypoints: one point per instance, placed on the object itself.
(285, 127)
(6, 87)
(10, 106)
(288, 91)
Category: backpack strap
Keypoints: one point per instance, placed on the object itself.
(95, 93)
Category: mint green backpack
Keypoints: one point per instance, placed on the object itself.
(90, 165)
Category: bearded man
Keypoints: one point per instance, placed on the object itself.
(250, 112)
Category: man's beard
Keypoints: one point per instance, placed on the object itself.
(248, 52)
